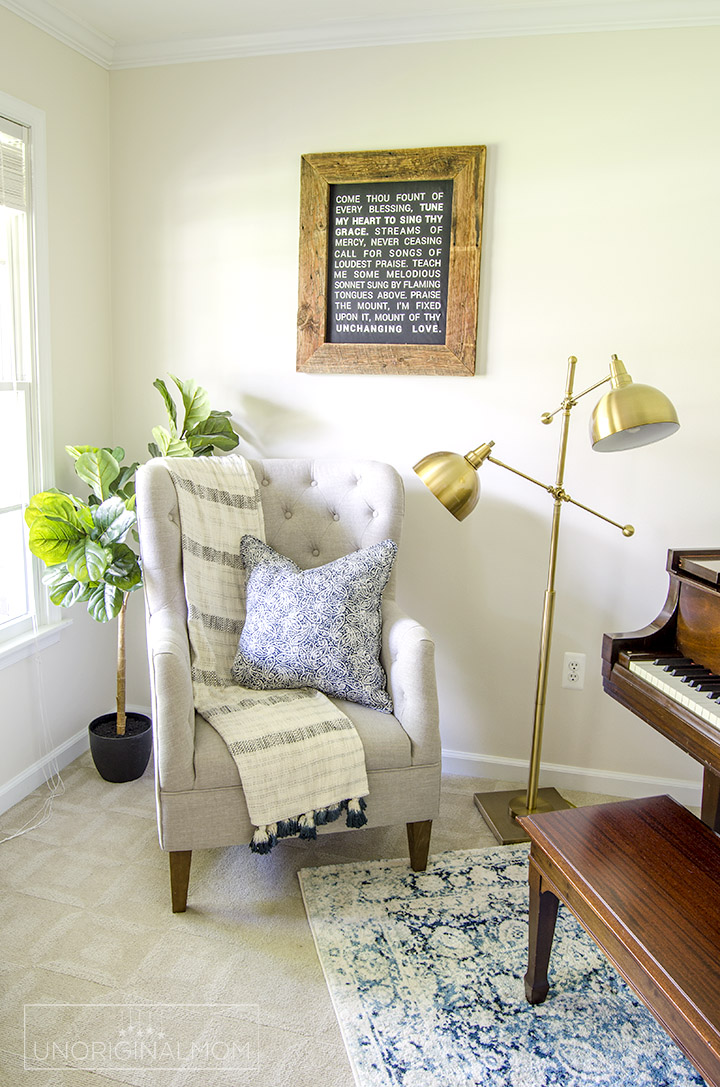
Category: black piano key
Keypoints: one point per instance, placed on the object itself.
(673, 662)
(702, 683)
(686, 671)
(698, 677)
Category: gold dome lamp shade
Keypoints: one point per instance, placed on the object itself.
(630, 415)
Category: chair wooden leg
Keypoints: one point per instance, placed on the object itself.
(179, 878)
(418, 835)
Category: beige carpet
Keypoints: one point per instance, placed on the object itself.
(86, 919)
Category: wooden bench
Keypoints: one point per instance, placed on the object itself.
(643, 877)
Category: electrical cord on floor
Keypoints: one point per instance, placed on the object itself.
(53, 780)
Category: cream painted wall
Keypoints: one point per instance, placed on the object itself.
(602, 232)
(72, 681)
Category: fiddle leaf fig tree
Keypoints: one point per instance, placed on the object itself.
(83, 542)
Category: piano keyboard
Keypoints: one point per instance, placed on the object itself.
(701, 698)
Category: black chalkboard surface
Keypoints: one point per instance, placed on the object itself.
(388, 261)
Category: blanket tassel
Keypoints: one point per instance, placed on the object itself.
(264, 838)
(307, 826)
(356, 816)
(328, 814)
(286, 828)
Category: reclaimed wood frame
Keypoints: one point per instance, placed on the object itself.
(466, 167)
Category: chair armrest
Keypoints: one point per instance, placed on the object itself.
(172, 699)
(408, 656)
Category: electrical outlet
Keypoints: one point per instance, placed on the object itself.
(573, 676)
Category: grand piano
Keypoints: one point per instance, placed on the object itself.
(668, 673)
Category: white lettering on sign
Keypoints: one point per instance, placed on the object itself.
(388, 262)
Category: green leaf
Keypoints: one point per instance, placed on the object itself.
(105, 602)
(88, 561)
(124, 571)
(216, 430)
(196, 401)
(76, 451)
(179, 448)
(170, 408)
(171, 447)
(127, 494)
(65, 590)
(55, 574)
(47, 503)
(126, 480)
(51, 537)
(51, 540)
(56, 505)
(163, 438)
(99, 469)
(113, 519)
(153, 450)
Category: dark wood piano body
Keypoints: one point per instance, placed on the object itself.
(689, 624)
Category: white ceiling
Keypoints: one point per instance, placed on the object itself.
(133, 33)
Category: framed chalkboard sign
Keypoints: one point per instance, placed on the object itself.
(390, 261)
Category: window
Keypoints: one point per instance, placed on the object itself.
(23, 446)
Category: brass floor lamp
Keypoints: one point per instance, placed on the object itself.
(628, 415)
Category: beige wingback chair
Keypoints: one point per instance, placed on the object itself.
(315, 511)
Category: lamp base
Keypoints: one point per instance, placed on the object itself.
(495, 810)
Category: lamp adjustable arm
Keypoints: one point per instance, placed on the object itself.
(618, 376)
(547, 417)
(557, 492)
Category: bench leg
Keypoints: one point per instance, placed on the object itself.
(179, 878)
(418, 835)
(710, 810)
(543, 912)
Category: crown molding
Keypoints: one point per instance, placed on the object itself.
(494, 20)
(67, 28)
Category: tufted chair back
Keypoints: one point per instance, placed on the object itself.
(318, 510)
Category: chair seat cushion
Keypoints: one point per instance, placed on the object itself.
(317, 628)
(386, 744)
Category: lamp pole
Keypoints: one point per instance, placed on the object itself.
(528, 804)
(501, 809)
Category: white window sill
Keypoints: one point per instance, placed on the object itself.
(33, 641)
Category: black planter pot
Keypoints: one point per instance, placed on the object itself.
(121, 758)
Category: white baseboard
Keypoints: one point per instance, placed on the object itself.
(34, 776)
(27, 780)
(609, 782)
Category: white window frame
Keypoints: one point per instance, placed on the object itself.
(44, 625)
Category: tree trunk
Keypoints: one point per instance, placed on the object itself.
(121, 670)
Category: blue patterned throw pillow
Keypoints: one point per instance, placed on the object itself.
(316, 628)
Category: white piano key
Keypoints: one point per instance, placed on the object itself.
(695, 701)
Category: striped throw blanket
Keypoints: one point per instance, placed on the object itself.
(300, 759)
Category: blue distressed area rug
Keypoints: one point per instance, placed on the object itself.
(426, 969)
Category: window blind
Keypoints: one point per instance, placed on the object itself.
(13, 171)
